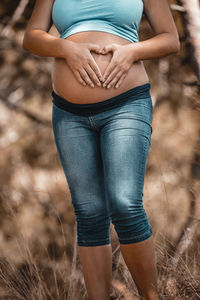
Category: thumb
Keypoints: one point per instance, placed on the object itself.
(107, 49)
(94, 47)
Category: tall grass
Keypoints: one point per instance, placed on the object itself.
(33, 278)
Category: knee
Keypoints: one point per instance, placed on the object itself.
(130, 221)
(92, 225)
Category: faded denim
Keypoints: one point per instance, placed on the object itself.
(104, 159)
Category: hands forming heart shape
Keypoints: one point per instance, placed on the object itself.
(119, 65)
(86, 70)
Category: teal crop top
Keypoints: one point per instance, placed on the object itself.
(119, 17)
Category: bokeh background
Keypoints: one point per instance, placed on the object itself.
(38, 253)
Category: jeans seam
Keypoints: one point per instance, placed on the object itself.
(94, 242)
(141, 177)
(138, 236)
(90, 244)
(92, 123)
(100, 240)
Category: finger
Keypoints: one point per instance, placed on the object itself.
(120, 80)
(107, 49)
(109, 69)
(86, 78)
(95, 67)
(116, 77)
(111, 76)
(94, 47)
(92, 74)
(78, 77)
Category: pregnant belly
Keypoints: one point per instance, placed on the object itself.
(67, 86)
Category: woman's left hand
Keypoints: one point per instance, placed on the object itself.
(119, 65)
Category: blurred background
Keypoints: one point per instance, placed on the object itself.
(38, 253)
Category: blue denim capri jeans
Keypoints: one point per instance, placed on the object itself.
(103, 154)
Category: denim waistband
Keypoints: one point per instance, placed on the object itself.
(88, 109)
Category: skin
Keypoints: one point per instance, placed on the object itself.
(140, 259)
(75, 92)
(97, 269)
(80, 59)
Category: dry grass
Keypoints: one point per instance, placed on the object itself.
(34, 278)
(38, 254)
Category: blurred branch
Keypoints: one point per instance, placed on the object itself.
(24, 111)
(8, 29)
(185, 242)
(185, 238)
(191, 20)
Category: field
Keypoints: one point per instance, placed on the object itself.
(38, 253)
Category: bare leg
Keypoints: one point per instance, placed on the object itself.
(140, 260)
(96, 263)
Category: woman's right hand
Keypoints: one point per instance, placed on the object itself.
(82, 63)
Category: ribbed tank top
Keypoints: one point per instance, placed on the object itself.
(118, 17)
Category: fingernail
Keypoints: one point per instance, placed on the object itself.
(108, 86)
(117, 86)
(98, 83)
(92, 85)
(104, 85)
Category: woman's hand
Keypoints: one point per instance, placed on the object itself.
(82, 63)
(119, 65)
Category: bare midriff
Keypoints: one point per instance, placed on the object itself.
(66, 85)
